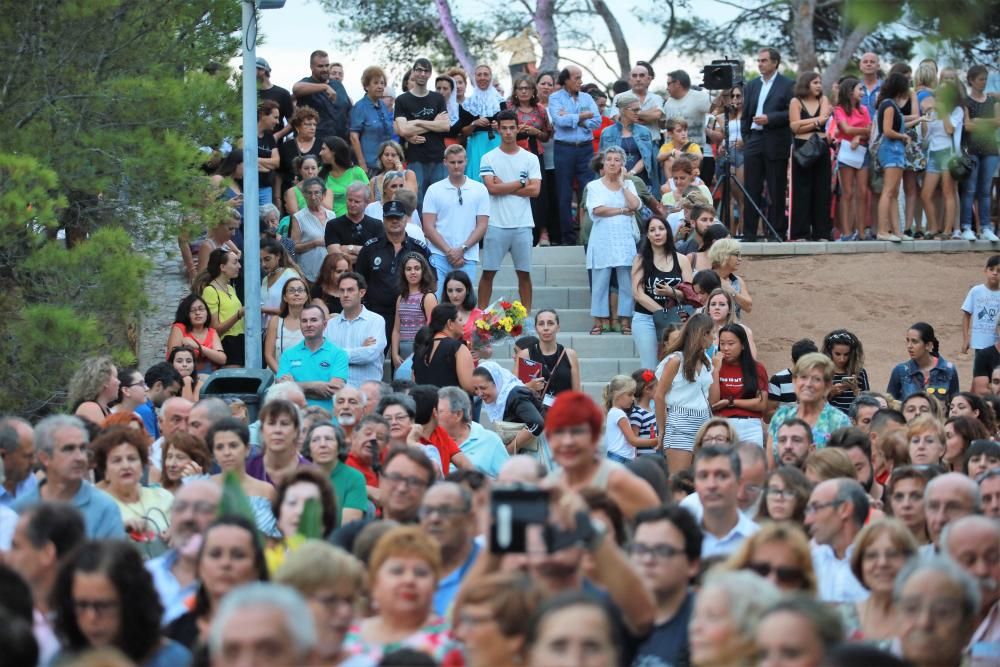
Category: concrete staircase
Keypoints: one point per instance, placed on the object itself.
(559, 276)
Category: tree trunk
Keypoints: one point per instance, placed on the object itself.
(454, 37)
(803, 15)
(617, 37)
(545, 26)
(844, 54)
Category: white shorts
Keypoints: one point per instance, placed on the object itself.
(499, 241)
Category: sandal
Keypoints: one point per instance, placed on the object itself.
(626, 328)
(596, 330)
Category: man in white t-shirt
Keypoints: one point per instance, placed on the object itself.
(456, 211)
(511, 175)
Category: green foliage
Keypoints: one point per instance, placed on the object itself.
(234, 501)
(106, 104)
(311, 521)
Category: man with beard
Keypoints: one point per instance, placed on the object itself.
(835, 514)
(61, 442)
(447, 515)
(370, 436)
(973, 542)
(175, 572)
(348, 408)
(795, 443)
(857, 446)
(326, 95)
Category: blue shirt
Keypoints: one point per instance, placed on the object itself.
(304, 365)
(372, 122)
(172, 595)
(869, 98)
(564, 109)
(147, 411)
(485, 450)
(448, 586)
(27, 485)
(101, 516)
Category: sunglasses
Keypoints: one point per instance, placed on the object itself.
(792, 576)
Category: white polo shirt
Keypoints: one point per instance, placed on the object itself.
(456, 218)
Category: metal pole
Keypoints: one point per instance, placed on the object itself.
(251, 204)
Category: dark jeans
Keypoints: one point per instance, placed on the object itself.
(811, 199)
(427, 173)
(759, 170)
(572, 162)
(545, 207)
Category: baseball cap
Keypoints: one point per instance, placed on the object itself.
(393, 209)
(262, 64)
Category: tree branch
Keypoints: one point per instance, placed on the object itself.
(617, 36)
(583, 67)
(671, 26)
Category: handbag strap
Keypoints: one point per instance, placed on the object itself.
(545, 389)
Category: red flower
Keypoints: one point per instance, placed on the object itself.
(517, 330)
(505, 305)
(647, 375)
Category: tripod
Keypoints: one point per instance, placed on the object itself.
(728, 177)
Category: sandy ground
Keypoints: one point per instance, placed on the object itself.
(876, 296)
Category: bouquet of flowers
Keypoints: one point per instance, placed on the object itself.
(500, 320)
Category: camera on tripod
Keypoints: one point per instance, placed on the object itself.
(722, 74)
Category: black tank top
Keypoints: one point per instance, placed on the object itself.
(440, 370)
(557, 372)
(658, 277)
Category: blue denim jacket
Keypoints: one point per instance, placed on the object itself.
(372, 121)
(906, 379)
(612, 136)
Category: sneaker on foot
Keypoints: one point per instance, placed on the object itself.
(968, 235)
(988, 235)
(869, 236)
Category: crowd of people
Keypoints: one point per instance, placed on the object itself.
(447, 511)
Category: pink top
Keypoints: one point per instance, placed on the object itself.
(411, 316)
(858, 118)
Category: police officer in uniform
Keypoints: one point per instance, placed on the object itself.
(379, 262)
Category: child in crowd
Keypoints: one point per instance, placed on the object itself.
(849, 376)
(416, 300)
(620, 442)
(677, 144)
(980, 310)
(640, 417)
(684, 173)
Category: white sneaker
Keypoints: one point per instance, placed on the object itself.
(968, 235)
(988, 235)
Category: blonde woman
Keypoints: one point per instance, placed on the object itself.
(94, 385)
(778, 552)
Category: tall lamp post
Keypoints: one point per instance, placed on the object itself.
(251, 203)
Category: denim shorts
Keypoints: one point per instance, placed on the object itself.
(891, 154)
(937, 161)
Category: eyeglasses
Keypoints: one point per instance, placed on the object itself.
(444, 511)
(781, 494)
(140, 383)
(396, 479)
(812, 508)
(421, 70)
(198, 506)
(634, 110)
(753, 489)
(296, 290)
(658, 551)
(397, 418)
(313, 193)
(791, 576)
(99, 607)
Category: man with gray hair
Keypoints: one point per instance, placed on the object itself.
(484, 448)
(835, 514)
(262, 624)
(936, 605)
(17, 452)
(946, 498)
(374, 390)
(173, 418)
(205, 414)
(349, 408)
(61, 442)
(862, 409)
(447, 515)
(349, 233)
(973, 542)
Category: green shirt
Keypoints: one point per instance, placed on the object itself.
(349, 488)
(338, 186)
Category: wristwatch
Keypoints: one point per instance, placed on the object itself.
(464, 247)
(730, 402)
(524, 181)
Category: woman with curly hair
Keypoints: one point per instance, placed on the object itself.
(849, 375)
(92, 388)
(959, 433)
(120, 456)
(104, 597)
(968, 404)
(192, 329)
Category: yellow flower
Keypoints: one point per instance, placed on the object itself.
(481, 324)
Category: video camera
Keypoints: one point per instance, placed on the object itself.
(722, 74)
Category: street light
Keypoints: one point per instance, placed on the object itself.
(251, 203)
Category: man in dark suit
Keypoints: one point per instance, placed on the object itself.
(767, 138)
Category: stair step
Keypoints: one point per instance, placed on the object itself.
(552, 275)
(595, 369)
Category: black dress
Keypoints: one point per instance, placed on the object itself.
(438, 367)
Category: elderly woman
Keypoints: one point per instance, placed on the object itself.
(779, 552)
(715, 431)
(493, 617)
(726, 257)
(634, 138)
(183, 455)
(371, 120)
(305, 167)
(308, 228)
(94, 385)
(506, 399)
(611, 203)
(120, 455)
(324, 441)
(797, 631)
(927, 441)
(333, 583)
(484, 103)
(573, 429)
(785, 495)
(573, 624)
(404, 569)
(231, 555)
(103, 597)
(812, 379)
(724, 622)
(937, 605)
(880, 551)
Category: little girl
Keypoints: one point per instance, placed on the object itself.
(849, 375)
(620, 442)
(417, 284)
(640, 417)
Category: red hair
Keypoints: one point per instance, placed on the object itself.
(572, 408)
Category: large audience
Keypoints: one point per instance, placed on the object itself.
(396, 495)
